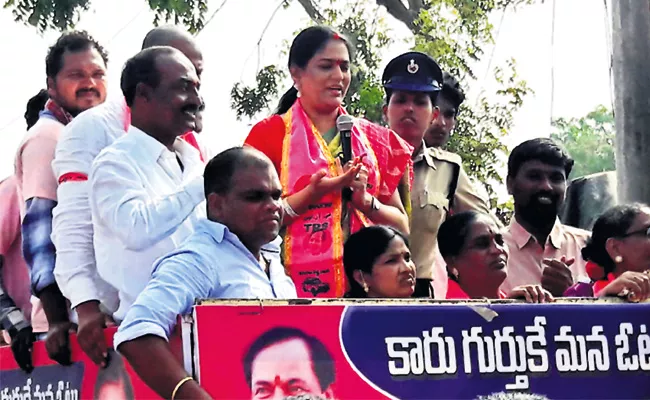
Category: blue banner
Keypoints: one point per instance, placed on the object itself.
(52, 382)
(557, 351)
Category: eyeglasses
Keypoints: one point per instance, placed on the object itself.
(641, 232)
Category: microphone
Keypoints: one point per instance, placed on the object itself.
(344, 125)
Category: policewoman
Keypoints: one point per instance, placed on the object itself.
(412, 82)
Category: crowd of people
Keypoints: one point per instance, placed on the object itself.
(118, 214)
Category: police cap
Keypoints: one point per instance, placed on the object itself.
(413, 72)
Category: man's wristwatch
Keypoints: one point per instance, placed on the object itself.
(374, 205)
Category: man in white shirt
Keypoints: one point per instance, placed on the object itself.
(234, 253)
(146, 186)
(72, 230)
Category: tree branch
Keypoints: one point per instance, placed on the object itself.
(312, 11)
(416, 5)
(258, 45)
(212, 16)
(398, 10)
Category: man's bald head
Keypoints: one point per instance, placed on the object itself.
(220, 170)
(180, 39)
(163, 35)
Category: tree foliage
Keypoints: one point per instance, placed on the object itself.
(47, 14)
(63, 15)
(455, 33)
(244, 98)
(190, 13)
(589, 140)
(479, 133)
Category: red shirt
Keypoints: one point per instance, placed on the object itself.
(267, 136)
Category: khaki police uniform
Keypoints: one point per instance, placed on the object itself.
(439, 184)
(432, 198)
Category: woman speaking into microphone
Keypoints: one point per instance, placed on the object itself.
(325, 199)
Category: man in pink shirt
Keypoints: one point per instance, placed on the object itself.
(542, 250)
(20, 315)
(76, 68)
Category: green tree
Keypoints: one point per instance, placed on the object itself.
(62, 15)
(589, 140)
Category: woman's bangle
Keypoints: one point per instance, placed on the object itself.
(179, 384)
(288, 209)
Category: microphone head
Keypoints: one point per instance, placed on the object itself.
(344, 122)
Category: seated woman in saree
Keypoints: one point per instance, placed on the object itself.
(378, 264)
(302, 141)
(618, 255)
(472, 245)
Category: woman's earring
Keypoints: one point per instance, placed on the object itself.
(618, 259)
(365, 285)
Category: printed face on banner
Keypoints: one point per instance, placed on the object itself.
(113, 382)
(285, 369)
(318, 241)
(113, 391)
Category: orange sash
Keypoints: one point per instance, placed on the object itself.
(313, 243)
